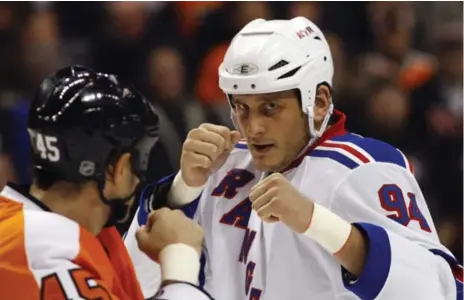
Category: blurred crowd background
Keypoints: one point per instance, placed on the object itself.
(398, 74)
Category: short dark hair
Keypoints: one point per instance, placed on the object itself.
(43, 179)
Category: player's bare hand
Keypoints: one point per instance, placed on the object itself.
(204, 151)
(276, 199)
(165, 227)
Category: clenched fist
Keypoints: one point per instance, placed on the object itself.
(276, 199)
(165, 227)
(204, 151)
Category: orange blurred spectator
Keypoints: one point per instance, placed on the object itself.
(207, 87)
(191, 14)
(394, 59)
(128, 17)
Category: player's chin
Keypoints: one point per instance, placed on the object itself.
(268, 163)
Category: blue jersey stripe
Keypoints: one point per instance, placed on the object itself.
(336, 156)
(380, 151)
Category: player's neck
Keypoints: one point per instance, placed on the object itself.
(82, 206)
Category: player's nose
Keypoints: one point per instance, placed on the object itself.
(256, 127)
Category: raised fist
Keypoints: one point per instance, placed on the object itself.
(204, 151)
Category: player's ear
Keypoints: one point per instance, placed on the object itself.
(117, 172)
(322, 103)
(122, 168)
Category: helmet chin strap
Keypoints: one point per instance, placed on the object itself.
(232, 117)
(316, 134)
(118, 206)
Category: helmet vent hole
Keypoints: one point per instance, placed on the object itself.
(235, 86)
(325, 58)
(290, 73)
(253, 86)
(278, 65)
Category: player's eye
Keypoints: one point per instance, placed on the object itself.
(240, 107)
(271, 107)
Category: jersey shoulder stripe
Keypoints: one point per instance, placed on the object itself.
(352, 150)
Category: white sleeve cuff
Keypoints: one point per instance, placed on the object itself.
(179, 262)
(180, 193)
(328, 229)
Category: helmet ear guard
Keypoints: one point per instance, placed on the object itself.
(233, 118)
(309, 111)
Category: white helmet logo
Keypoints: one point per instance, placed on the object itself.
(87, 168)
(245, 69)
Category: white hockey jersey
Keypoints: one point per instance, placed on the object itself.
(366, 182)
(46, 256)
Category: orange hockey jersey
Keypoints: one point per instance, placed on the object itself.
(46, 256)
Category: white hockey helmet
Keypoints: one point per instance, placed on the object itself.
(278, 55)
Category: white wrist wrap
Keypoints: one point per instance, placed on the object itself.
(179, 262)
(328, 229)
(180, 193)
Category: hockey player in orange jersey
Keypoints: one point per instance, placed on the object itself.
(91, 136)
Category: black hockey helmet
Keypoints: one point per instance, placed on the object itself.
(81, 121)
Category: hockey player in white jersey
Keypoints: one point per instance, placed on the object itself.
(301, 208)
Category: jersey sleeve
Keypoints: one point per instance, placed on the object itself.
(70, 281)
(181, 291)
(153, 196)
(405, 259)
(148, 272)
